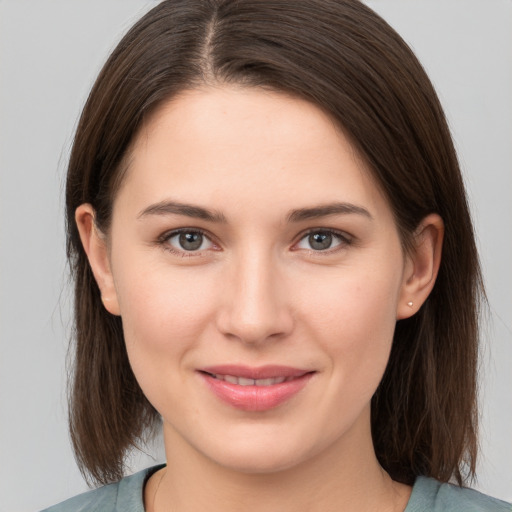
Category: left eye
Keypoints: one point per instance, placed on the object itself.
(189, 241)
(321, 241)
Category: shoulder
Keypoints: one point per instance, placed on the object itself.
(102, 499)
(433, 496)
(125, 495)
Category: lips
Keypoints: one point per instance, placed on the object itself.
(243, 381)
(255, 389)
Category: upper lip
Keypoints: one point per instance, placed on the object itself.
(258, 372)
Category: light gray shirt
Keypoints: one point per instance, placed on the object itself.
(428, 495)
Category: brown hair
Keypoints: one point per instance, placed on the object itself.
(341, 56)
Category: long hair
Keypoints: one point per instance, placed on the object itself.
(341, 56)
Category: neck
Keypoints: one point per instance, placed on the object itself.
(346, 476)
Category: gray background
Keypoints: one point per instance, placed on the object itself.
(50, 52)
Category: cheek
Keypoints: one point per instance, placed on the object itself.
(164, 318)
(163, 312)
(354, 322)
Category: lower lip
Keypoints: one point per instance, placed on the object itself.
(256, 398)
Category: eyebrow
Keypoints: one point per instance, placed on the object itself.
(301, 214)
(188, 210)
(326, 210)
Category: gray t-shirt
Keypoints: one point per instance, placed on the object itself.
(428, 495)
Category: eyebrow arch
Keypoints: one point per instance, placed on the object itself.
(327, 209)
(188, 210)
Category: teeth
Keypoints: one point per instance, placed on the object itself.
(231, 379)
(242, 381)
(269, 382)
(264, 382)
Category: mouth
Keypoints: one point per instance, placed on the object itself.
(255, 389)
(244, 381)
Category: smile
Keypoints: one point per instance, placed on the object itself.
(255, 389)
(243, 381)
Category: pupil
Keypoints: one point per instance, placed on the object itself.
(320, 241)
(191, 241)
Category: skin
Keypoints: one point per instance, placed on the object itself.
(256, 292)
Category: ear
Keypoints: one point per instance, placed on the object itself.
(421, 266)
(95, 246)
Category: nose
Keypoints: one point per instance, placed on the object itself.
(255, 303)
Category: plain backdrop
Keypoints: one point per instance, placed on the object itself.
(50, 52)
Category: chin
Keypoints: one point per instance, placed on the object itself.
(264, 451)
(258, 461)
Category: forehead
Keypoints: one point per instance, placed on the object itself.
(225, 116)
(259, 144)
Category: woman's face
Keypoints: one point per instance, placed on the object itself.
(259, 274)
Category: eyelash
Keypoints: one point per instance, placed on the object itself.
(163, 241)
(344, 240)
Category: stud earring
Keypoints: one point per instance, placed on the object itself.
(410, 303)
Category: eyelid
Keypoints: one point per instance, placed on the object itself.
(163, 241)
(343, 236)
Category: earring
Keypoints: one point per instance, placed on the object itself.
(410, 303)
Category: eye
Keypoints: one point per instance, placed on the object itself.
(322, 240)
(188, 241)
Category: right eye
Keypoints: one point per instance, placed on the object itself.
(187, 241)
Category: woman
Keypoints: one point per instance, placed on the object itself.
(273, 254)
